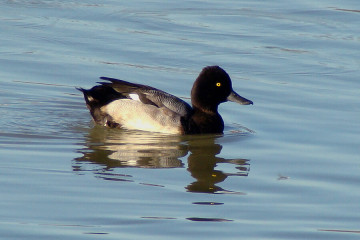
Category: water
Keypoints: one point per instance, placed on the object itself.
(285, 168)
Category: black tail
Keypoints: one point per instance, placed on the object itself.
(98, 97)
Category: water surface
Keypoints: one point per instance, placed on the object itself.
(285, 168)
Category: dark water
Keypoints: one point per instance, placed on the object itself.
(287, 167)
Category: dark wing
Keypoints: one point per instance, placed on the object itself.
(149, 95)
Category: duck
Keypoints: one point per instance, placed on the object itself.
(116, 103)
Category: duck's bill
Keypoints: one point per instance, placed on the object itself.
(234, 97)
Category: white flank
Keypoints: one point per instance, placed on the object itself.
(136, 115)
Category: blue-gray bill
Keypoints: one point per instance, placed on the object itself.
(234, 97)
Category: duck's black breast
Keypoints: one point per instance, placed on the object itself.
(203, 122)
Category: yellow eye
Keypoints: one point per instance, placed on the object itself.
(218, 84)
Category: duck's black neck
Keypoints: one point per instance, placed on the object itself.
(205, 121)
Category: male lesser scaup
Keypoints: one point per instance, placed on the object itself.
(118, 103)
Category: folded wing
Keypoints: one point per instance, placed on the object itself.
(148, 95)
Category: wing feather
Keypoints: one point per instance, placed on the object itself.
(149, 95)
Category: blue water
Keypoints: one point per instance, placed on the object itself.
(285, 168)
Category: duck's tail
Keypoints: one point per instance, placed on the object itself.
(96, 98)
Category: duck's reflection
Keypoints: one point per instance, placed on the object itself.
(108, 149)
(112, 148)
(202, 162)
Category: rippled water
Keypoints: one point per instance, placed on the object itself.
(287, 167)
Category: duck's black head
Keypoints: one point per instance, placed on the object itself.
(212, 87)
